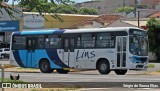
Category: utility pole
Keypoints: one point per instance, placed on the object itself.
(124, 3)
(12, 3)
(135, 8)
(138, 18)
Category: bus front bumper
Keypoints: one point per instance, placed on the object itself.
(138, 66)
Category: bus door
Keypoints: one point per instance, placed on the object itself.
(121, 52)
(30, 51)
(68, 57)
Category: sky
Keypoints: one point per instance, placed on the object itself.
(77, 1)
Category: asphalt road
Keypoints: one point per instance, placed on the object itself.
(91, 76)
(86, 76)
(4, 61)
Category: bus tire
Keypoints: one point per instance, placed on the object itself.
(120, 72)
(103, 67)
(45, 66)
(61, 71)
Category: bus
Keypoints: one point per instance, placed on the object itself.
(104, 49)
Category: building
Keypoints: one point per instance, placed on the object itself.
(151, 4)
(32, 20)
(101, 21)
(105, 6)
(9, 24)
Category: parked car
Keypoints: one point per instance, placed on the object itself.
(4, 53)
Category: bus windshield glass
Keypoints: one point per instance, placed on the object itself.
(138, 43)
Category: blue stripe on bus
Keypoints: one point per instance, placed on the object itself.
(16, 33)
(23, 56)
(17, 58)
(52, 53)
(43, 54)
(38, 32)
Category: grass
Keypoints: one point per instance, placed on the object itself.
(151, 65)
(26, 68)
(9, 80)
(7, 66)
(158, 71)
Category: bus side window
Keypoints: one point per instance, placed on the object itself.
(40, 41)
(88, 40)
(29, 45)
(47, 45)
(72, 45)
(79, 41)
(54, 41)
(19, 42)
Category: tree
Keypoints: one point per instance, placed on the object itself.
(154, 36)
(40, 5)
(87, 11)
(7, 8)
(63, 8)
(126, 9)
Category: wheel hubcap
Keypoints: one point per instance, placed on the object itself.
(44, 66)
(103, 67)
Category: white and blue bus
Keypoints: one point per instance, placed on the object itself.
(105, 49)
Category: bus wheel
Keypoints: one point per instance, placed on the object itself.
(103, 67)
(120, 72)
(45, 66)
(61, 71)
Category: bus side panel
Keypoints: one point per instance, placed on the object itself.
(44, 54)
(13, 60)
(23, 57)
(109, 54)
(52, 53)
(87, 58)
(16, 59)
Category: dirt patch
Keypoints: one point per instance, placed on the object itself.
(153, 73)
(7, 66)
(18, 69)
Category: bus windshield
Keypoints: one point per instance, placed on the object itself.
(138, 45)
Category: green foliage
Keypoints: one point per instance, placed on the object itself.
(126, 9)
(63, 8)
(87, 11)
(42, 6)
(151, 65)
(8, 9)
(9, 80)
(154, 36)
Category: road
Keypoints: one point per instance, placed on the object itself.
(115, 82)
(93, 76)
(85, 76)
(4, 61)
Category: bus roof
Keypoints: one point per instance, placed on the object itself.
(100, 29)
(39, 32)
(61, 31)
